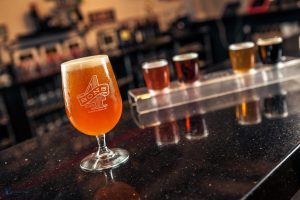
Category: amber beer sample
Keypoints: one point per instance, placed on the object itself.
(187, 67)
(248, 113)
(270, 50)
(94, 106)
(82, 85)
(242, 57)
(156, 75)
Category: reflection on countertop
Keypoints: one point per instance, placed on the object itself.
(114, 190)
(271, 100)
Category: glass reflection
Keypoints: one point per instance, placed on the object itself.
(248, 113)
(276, 106)
(167, 133)
(115, 190)
(194, 127)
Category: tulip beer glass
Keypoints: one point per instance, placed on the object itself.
(94, 106)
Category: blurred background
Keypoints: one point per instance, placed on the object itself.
(36, 36)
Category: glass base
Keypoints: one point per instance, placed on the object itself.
(112, 159)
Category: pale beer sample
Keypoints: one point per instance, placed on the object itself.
(242, 57)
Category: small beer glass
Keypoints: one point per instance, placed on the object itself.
(270, 50)
(157, 76)
(187, 67)
(242, 57)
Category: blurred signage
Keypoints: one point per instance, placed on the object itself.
(102, 17)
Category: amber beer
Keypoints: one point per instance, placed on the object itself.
(156, 75)
(92, 99)
(187, 67)
(270, 50)
(242, 57)
(248, 113)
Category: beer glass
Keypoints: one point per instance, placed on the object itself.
(156, 75)
(242, 57)
(187, 67)
(270, 50)
(94, 106)
(248, 113)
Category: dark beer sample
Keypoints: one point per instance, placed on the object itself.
(187, 67)
(270, 50)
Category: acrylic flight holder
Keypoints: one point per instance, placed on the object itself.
(212, 86)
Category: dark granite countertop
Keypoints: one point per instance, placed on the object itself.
(219, 159)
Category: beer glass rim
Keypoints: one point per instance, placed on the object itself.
(185, 56)
(241, 46)
(269, 41)
(95, 60)
(155, 64)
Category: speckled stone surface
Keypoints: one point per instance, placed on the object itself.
(165, 162)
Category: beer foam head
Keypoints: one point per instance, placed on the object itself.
(155, 64)
(184, 57)
(269, 41)
(241, 46)
(85, 62)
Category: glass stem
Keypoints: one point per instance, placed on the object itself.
(102, 148)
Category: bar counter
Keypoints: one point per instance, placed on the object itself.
(230, 161)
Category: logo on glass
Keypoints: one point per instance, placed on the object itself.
(94, 96)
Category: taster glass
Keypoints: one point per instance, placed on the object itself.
(94, 106)
(187, 67)
(157, 76)
(270, 50)
(242, 57)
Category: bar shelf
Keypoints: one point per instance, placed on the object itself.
(214, 85)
